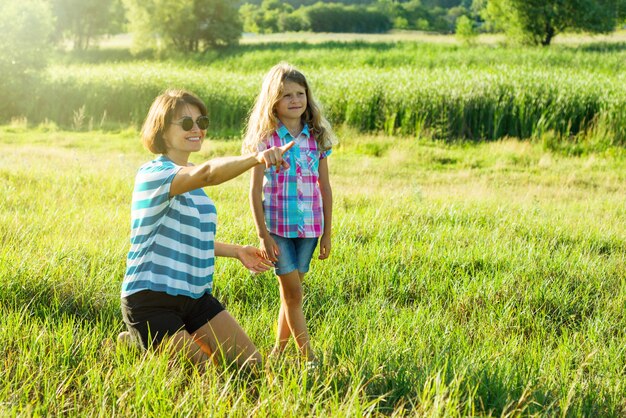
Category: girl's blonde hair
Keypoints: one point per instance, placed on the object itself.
(263, 120)
(165, 108)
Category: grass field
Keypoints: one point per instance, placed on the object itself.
(466, 279)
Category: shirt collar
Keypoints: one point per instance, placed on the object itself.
(282, 131)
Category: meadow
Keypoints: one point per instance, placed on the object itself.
(473, 273)
(466, 279)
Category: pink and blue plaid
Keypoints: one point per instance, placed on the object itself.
(292, 201)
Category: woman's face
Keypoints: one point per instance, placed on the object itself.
(292, 104)
(181, 143)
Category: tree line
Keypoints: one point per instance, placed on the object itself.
(196, 25)
(30, 27)
(523, 21)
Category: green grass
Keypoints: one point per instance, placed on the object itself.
(465, 279)
(571, 93)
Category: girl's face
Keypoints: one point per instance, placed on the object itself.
(292, 104)
(181, 143)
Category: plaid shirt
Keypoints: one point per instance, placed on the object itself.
(292, 201)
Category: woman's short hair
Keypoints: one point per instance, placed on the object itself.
(163, 110)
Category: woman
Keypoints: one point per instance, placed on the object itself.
(166, 293)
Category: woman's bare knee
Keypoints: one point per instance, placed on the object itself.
(224, 335)
(183, 343)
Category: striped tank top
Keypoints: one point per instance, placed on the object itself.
(172, 239)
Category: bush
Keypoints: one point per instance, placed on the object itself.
(465, 30)
(293, 22)
(333, 17)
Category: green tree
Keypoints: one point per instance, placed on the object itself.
(251, 17)
(418, 16)
(465, 30)
(538, 21)
(185, 25)
(218, 23)
(82, 21)
(270, 17)
(293, 22)
(26, 27)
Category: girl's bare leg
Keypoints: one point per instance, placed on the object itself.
(291, 307)
(283, 332)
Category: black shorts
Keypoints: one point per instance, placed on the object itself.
(150, 316)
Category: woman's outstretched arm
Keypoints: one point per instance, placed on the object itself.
(221, 169)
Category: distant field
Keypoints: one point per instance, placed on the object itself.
(483, 279)
(125, 40)
(416, 36)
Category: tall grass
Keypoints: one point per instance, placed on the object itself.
(443, 91)
(482, 279)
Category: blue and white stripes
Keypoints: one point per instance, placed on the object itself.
(172, 240)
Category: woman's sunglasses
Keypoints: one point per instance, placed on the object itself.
(186, 122)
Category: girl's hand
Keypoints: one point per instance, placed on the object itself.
(324, 247)
(274, 156)
(269, 249)
(252, 259)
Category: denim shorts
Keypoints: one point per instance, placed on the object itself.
(295, 254)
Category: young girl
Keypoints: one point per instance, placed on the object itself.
(292, 207)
